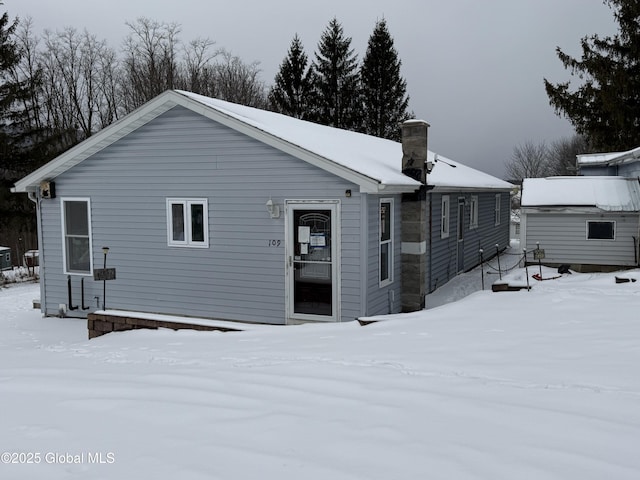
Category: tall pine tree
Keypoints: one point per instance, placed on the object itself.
(606, 108)
(335, 80)
(384, 91)
(290, 93)
(9, 90)
(17, 219)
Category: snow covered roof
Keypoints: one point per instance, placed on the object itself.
(615, 194)
(613, 158)
(375, 157)
(370, 162)
(447, 174)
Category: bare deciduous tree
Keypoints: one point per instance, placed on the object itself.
(75, 69)
(150, 65)
(198, 71)
(239, 82)
(528, 160)
(562, 154)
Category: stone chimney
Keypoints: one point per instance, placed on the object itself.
(414, 216)
(414, 149)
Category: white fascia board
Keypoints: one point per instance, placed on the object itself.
(95, 143)
(562, 209)
(384, 189)
(454, 189)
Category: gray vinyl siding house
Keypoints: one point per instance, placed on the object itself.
(589, 223)
(459, 251)
(219, 211)
(620, 164)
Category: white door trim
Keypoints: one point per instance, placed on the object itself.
(336, 255)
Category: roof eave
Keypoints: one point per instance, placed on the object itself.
(384, 188)
(165, 102)
(453, 188)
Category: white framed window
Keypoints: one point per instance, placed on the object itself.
(188, 222)
(76, 236)
(598, 230)
(386, 241)
(497, 209)
(445, 211)
(473, 216)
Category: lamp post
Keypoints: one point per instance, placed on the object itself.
(18, 251)
(105, 250)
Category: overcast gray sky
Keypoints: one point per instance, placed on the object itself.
(474, 68)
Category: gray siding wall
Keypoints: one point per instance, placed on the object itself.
(387, 299)
(442, 253)
(563, 236)
(598, 171)
(631, 170)
(241, 276)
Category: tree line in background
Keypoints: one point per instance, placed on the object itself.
(604, 110)
(59, 88)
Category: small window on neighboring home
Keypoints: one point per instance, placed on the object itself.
(601, 230)
(473, 221)
(517, 229)
(497, 209)
(76, 230)
(386, 242)
(444, 224)
(187, 222)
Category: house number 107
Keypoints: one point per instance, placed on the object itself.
(274, 243)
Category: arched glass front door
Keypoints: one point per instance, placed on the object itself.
(312, 261)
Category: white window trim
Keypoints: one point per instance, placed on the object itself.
(187, 203)
(474, 210)
(600, 239)
(63, 219)
(445, 216)
(497, 212)
(387, 281)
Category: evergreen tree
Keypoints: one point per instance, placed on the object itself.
(335, 80)
(290, 94)
(384, 99)
(9, 90)
(16, 212)
(606, 108)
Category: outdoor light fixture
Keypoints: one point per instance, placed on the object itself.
(273, 209)
(429, 166)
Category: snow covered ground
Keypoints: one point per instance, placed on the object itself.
(539, 384)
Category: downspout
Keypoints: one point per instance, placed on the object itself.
(33, 196)
(638, 237)
(364, 240)
(430, 223)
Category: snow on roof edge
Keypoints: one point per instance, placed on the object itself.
(602, 192)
